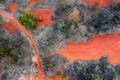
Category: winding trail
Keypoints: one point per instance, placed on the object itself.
(41, 75)
(22, 29)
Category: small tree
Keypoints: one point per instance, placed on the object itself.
(28, 20)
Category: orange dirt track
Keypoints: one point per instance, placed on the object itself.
(108, 45)
(36, 58)
(22, 29)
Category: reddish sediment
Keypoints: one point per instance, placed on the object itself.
(108, 45)
(8, 27)
(31, 2)
(12, 7)
(100, 3)
(43, 16)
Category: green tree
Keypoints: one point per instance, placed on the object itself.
(28, 20)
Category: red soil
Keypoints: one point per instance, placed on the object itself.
(32, 2)
(108, 45)
(12, 7)
(98, 2)
(9, 27)
(43, 16)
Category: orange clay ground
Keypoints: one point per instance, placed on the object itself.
(108, 45)
(98, 3)
(12, 7)
(8, 27)
(43, 16)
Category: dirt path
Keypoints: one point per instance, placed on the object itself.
(22, 29)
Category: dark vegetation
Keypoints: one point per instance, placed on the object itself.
(104, 20)
(28, 20)
(11, 47)
(9, 55)
(1, 20)
(118, 69)
(61, 27)
(94, 70)
(8, 51)
(49, 63)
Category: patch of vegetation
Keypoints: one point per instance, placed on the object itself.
(104, 20)
(1, 17)
(49, 63)
(118, 69)
(92, 70)
(9, 54)
(73, 18)
(51, 41)
(0, 24)
(61, 27)
(3, 52)
(28, 20)
(2, 1)
(63, 7)
(68, 4)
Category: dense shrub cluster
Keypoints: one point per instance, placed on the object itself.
(94, 70)
(105, 20)
(28, 20)
(9, 54)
